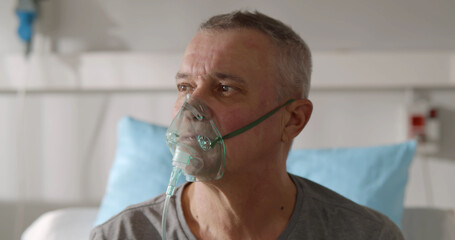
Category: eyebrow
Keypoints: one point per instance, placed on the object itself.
(231, 77)
(181, 76)
(217, 75)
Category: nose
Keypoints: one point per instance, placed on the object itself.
(190, 116)
(202, 92)
(195, 110)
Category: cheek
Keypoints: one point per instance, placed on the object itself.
(174, 112)
(231, 120)
(234, 119)
(177, 105)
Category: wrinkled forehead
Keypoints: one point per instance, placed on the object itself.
(239, 50)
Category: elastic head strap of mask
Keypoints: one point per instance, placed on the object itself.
(251, 125)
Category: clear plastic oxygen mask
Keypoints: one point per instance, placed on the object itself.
(197, 146)
(195, 142)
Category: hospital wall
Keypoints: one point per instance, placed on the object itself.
(56, 147)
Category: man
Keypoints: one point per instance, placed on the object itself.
(242, 65)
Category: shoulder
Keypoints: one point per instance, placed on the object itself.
(147, 209)
(135, 220)
(331, 210)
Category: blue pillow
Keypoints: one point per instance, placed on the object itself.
(371, 176)
(141, 168)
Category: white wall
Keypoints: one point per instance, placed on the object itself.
(67, 162)
(159, 25)
(66, 139)
(59, 131)
(56, 136)
(9, 42)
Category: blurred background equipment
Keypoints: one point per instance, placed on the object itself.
(26, 11)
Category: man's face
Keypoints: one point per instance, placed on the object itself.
(232, 72)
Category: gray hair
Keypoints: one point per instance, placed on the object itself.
(294, 57)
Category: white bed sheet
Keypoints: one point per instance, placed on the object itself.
(67, 224)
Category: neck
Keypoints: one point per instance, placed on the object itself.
(248, 205)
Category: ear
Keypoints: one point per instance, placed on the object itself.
(298, 115)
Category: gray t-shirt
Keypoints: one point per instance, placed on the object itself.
(319, 213)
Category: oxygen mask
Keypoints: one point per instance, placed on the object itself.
(195, 142)
(197, 146)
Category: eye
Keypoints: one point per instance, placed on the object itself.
(182, 87)
(225, 88)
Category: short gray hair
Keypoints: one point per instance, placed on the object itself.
(294, 57)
